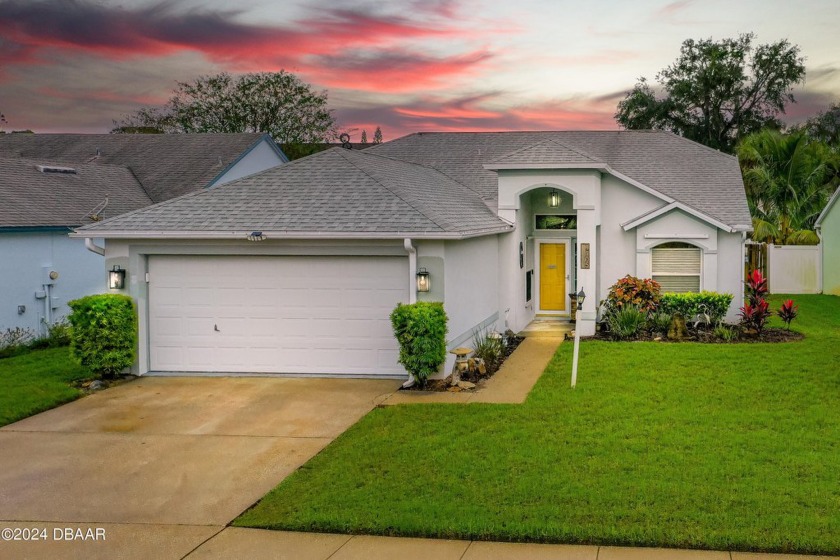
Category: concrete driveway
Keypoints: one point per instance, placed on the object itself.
(163, 464)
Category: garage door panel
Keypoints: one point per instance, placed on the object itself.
(385, 357)
(169, 326)
(275, 314)
(262, 326)
(200, 357)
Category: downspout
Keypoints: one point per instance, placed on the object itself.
(820, 261)
(91, 246)
(412, 270)
(744, 259)
(412, 293)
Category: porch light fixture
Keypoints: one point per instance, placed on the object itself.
(424, 284)
(116, 278)
(255, 236)
(554, 198)
(580, 297)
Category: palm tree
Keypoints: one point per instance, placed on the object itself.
(787, 180)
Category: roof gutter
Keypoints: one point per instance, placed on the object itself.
(241, 235)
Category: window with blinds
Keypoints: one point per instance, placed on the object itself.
(676, 266)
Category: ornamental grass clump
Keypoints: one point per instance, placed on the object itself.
(658, 322)
(490, 347)
(420, 329)
(626, 322)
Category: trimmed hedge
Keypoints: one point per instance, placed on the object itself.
(104, 334)
(420, 328)
(689, 305)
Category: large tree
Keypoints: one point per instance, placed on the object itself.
(787, 181)
(717, 92)
(277, 103)
(825, 126)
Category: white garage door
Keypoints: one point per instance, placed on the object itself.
(308, 315)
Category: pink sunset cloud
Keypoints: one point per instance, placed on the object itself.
(477, 114)
(393, 71)
(160, 29)
(405, 65)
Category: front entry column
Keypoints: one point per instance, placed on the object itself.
(587, 221)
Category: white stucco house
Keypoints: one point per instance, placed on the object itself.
(52, 183)
(828, 227)
(295, 270)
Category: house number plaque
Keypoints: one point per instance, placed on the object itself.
(584, 256)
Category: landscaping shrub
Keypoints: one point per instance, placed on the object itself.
(658, 322)
(626, 322)
(104, 333)
(725, 332)
(710, 306)
(788, 312)
(14, 341)
(755, 312)
(420, 328)
(490, 347)
(58, 333)
(631, 291)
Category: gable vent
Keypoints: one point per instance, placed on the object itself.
(55, 169)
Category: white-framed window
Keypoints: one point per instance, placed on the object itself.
(677, 267)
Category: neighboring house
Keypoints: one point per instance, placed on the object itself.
(52, 183)
(295, 270)
(828, 226)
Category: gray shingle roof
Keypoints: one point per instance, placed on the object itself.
(31, 198)
(336, 191)
(167, 165)
(691, 173)
(549, 152)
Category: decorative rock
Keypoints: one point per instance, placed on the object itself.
(95, 385)
(466, 385)
(677, 330)
(456, 389)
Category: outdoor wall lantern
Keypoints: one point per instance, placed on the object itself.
(580, 297)
(554, 198)
(424, 284)
(116, 278)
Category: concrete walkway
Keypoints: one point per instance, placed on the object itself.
(256, 544)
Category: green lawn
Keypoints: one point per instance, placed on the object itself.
(37, 381)
(676, 445)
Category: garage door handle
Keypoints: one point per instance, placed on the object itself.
(216, 328)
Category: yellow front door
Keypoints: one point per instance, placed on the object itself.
(552, 276)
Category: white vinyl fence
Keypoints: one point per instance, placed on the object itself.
(794, 269)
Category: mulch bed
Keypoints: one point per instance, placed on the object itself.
(93, 385)
(770, 334)
(445, 384)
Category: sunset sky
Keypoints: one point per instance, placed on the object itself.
(407, 65)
